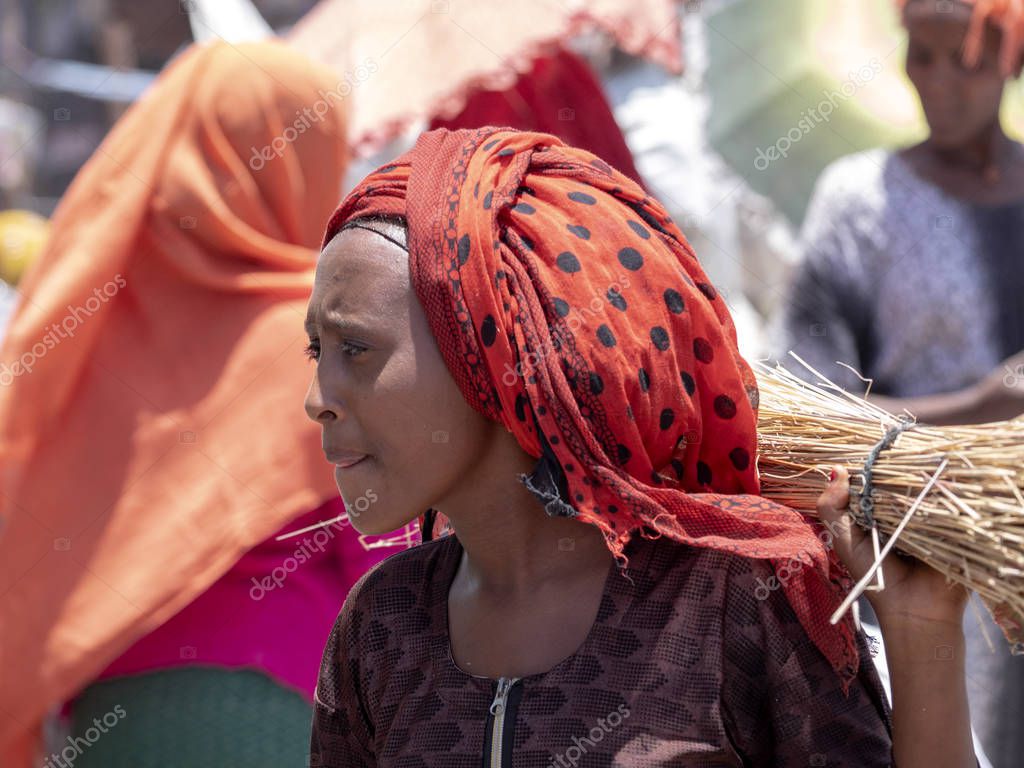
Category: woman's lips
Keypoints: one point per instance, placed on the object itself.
(345, 461)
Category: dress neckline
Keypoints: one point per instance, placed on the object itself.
(907, 173)
(638, 560)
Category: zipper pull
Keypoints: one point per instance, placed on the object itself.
(501, 695)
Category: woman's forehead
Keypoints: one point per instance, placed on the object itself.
(360, 271)
(938, 11)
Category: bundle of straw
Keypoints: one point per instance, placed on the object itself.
(953, 496)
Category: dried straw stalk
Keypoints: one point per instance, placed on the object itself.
(969, 526)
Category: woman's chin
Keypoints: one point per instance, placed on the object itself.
(370, 523)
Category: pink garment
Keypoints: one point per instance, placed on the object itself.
(273, 610)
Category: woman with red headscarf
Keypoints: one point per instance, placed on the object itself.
(509, 332)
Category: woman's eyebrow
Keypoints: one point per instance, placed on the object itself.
(346, 322)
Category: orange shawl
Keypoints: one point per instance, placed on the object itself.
(151, 424)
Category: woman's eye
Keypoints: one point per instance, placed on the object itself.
(348, 348)
(352, 350)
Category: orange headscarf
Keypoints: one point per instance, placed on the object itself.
(560, 95)
(151, 384)
(569, 308)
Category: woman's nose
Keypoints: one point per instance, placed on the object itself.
(316, 407)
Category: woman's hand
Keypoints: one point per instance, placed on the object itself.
(914, 592)
(921, 619)
(1000, 395)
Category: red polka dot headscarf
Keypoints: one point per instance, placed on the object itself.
(569, 307)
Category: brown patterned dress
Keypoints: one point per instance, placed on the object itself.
(691, 662)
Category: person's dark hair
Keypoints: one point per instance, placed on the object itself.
(392, 228)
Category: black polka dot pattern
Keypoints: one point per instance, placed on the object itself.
(624, 454)
(488, 331)
(703, 350)
(582, 197)
(616, 300)
(703, 473)
(464, 248)
(725, 408)
(639, 229)
(645, 380)
(740, 458)
(688, 383)
(579, 230)
(659, 337)
(708, 290)
(605, 335)
(567, 262)
(674, 301)
(521, 406)
(631, 259)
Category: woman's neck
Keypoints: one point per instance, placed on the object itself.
(510, 551)
(986, 171)
(511, 544)
(985, 156)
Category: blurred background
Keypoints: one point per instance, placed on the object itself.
(752, 71)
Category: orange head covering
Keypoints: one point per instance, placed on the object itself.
(151, 424)
(1005, 15)
(570, 308)
(561, 95)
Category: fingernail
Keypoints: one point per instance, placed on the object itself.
(832, 477)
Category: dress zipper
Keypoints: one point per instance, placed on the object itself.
(497, 710)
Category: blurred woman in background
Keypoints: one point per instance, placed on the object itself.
(150, 439)
(912, 274)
